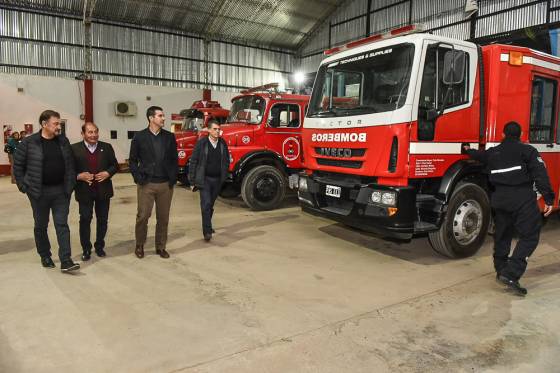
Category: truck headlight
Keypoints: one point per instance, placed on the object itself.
(302, 185)
(382, 197)
(389, 198)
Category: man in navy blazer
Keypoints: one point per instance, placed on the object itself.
(95, 164)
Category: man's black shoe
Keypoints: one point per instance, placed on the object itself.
(68, 266)
(512, 286)
(47, 262)
(86, 255)
(207, 237)
(100, 253)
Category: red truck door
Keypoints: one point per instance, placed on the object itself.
(283, 131)
(544, 125)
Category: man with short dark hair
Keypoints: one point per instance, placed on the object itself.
(44, 170)
(153, 164)
(95, 164)
(513, 168)
(208, 169)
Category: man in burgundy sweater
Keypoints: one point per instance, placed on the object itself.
(95, 164)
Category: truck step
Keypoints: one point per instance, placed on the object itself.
(425, 197)
(422, 227)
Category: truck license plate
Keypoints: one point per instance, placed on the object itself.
(333, 191)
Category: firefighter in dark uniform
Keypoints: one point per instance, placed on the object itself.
(513, 168)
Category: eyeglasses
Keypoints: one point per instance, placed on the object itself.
(214, 129)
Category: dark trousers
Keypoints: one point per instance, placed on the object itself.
(101, 207)
(526, 220)
(53, 198)
(208, 195)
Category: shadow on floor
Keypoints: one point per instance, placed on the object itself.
(549, 269)
(418, 250)
(290, 200)
(18, 246)
(225, 236)
(123, 248)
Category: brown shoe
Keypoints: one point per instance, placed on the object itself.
(139, 251)
(164, 254)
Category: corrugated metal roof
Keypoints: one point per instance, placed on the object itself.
(280, 23)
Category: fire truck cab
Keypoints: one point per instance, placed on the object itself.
(195, 121)
(263, 133)
(386, 122)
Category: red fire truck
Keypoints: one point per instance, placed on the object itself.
(195, 121)
(263, 133)
(387, 118)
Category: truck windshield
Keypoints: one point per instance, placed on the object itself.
(248, 109)
(194, 120)
(371, 82)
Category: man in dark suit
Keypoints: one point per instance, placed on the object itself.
(153, 164)
(95, 164)
(208, 169)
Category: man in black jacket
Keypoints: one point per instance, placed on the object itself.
(513, 169)
(95, 164)
(208, 169)
(153, 164)
(44, 170)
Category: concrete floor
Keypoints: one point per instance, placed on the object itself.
(275, 291)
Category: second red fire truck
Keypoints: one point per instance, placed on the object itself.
(386, 122)
(263, 133)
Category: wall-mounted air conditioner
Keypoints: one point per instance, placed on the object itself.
(125, 109)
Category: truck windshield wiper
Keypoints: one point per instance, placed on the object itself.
(324, 113)
(361, 108)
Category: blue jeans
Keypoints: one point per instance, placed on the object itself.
(53, 198)
(208, 195)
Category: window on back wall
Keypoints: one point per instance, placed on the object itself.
(131, 134)
(543, 109)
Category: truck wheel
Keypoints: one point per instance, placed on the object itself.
(263, 188)
(465, 226)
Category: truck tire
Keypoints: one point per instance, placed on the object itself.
(466, 222)
(263, 188)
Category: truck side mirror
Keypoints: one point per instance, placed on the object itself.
(453, 67)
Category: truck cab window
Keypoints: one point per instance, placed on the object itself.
(543, 100)
(284, 115)
(433, 89)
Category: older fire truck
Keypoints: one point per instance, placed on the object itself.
(263, 133)
(386, 122)
(195, 121)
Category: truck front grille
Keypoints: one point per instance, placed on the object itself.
(339, 163)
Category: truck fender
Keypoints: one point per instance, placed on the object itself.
(263, 156)
(457, 172)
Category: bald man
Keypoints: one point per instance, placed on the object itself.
(95, 164)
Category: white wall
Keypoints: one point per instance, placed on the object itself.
(66, 97)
